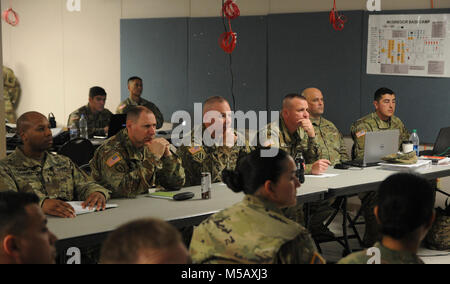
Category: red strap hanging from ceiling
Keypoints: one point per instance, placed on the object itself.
(337, 20)
(228, 40)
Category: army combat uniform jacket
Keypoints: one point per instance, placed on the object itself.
(372, 123)
(95, 122)
(125, 106)
(387, 256)
(198, 158)
(330, 140)
(128, 171)
(294, 144)
(253, 231)
(57, 178)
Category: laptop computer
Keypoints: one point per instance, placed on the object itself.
(117, 123)
(377, 145)
(441, 146)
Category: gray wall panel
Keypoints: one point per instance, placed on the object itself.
(305, 51)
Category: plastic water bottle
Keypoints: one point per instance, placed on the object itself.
(83, 127)
(414, 138)
(73, 131)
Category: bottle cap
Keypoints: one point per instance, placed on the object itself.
(414, 130)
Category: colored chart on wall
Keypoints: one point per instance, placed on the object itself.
(409, 45)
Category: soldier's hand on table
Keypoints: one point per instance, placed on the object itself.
(96, 199)
(320, 166)
(58, 208)
(158, 147)
(306, 124)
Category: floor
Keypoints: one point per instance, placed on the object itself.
(333, 251)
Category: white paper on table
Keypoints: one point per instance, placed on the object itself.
(79, 209)
(323, 175)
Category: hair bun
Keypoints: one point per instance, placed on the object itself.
(233, 180)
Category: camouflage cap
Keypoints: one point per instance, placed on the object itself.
(400, 158)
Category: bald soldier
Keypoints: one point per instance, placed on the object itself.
(382, 119)
(198, 157)
(295, 134)
(135, 87)
(132, 161)
(333, 149)
(55, 179)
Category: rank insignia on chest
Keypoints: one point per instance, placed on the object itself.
(361, 133)
(113, 160)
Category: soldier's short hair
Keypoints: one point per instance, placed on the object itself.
(131, 79)
(96, 91)
(291, 96)
(23, 122)
(405, 202)
(380, 92)
(135, 112)
(13, 217)
(124, 244)
(215, 99)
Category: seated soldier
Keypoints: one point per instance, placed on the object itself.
(24, 236)
(256, 231)
(133, 160)
(146, 241)
(135, 87)
(97, 116)
(382, 119)
(54, 178)
(199, 157)
(405, 213)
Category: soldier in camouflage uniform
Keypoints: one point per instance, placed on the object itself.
(53, 178)
(405, 211)
(333, 149)
(133, 161)
(295, 134)
(135, 87)
(256, 231)
(199, 158)
(96, 114)
(11, 93)
(382, 119)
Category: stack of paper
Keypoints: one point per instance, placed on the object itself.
(79, 209)
(420, 165)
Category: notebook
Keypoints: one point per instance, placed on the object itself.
(79, 209)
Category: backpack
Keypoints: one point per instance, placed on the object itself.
(438, 238)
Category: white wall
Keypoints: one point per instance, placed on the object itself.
(58, 55)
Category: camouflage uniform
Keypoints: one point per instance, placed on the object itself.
(197, 159)
(128, 103)
(330, 140)
(332, 148)
(253, 231)
(293, 144)
(388, 256)
(371, 123)
(128, 171)
(96, 122)
(57, 178)
(11, 93)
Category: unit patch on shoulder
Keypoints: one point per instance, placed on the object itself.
(361, 133)
(195, 150)
(113, 160)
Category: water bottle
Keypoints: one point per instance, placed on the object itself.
(414, 138)
(83, 127)
(73, 131)
(300, 172)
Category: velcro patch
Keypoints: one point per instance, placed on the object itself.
(113, 160)
(195, 150)
(361, 133)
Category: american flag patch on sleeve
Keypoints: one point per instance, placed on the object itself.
(361, 133)
(113, 160)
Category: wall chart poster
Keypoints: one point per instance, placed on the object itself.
(409, 45)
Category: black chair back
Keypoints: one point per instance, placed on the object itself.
(79, 150)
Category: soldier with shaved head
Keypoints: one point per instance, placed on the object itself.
(53, 178)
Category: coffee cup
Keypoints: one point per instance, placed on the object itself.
(407, 147)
